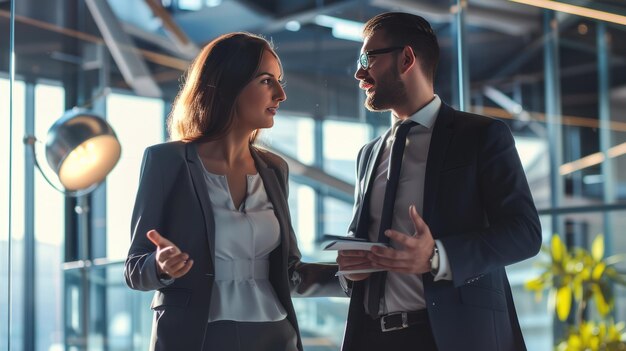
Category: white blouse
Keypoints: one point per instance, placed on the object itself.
(244, 238)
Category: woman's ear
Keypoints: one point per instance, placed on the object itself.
(408, 59)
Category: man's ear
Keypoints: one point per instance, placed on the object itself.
(408, 59)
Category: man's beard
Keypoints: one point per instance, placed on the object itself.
(388, 92)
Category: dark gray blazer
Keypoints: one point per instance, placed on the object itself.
(173, 199)
(477, 202)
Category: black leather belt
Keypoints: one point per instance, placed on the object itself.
(399, 320)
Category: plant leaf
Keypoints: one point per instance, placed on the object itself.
(534, 284)
(601, 304)
(563, 302)
(615, 259)
(557, 247)
(597, 248)
(598, 270)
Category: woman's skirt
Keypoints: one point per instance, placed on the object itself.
(250, 336)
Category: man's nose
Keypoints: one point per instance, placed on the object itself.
(360, 73)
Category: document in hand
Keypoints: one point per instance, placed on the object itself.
(336, 242)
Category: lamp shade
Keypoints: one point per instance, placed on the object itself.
(82, 149)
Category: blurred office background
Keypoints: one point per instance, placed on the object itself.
(555, 71)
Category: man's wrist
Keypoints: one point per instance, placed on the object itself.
(434, 261)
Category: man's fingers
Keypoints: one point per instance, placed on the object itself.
(418, 222)
(405, 240)
(352, 253)
(389, 263)
(349, 262)
(355, 277)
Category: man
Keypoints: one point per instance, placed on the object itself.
(462, 210)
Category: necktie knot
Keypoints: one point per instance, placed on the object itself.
(402, 128)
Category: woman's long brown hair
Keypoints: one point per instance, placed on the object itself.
(204, 107)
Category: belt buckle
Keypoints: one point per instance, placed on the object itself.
(383, 319)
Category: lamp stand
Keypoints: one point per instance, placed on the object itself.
(82, 212)
(78, 290)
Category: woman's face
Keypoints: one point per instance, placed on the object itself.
(258, 101)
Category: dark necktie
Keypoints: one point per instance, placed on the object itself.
(377, 279)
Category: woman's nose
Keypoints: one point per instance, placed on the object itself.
(281, 96)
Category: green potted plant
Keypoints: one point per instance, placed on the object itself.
(575, 278)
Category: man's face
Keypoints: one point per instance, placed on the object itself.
(381, 81)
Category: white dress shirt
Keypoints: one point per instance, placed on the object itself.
(405, 292)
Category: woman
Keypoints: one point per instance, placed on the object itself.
(211, 228)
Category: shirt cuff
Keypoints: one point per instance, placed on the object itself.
(444, 265)
(346, 285)
(166, 281)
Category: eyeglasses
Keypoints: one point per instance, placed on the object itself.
(364, 60)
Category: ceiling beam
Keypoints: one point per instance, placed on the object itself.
(126, 56)
(185, 46)
(502, 21)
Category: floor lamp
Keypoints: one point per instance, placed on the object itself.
(81, 148)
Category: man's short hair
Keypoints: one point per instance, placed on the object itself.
(407, 29)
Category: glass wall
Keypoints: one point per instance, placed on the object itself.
(5, 186)
(558, 80)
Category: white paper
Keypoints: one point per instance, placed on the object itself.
(355, 271)
(351, 245)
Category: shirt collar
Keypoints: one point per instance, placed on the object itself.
(425, 116)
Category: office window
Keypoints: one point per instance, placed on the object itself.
(49, 229)
(17, 209)
(292, 136)
(138, 123)
(340, 151)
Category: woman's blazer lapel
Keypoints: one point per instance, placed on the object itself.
(196, 169)
(276, 194)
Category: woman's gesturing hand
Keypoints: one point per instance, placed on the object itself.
(169, 259)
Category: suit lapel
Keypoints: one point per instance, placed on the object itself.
(275, 193)
(372, 161)
(196, 169)
(442, 134)
(369, 164)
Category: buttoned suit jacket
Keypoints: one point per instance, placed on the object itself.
(478, 204)
(173, 199)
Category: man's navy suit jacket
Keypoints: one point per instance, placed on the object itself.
(477, 202)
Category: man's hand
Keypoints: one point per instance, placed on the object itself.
(352, 260)
(169, 259)
(414, 256)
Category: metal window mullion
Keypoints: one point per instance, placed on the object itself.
(9, 314)
(604, 115)
(97, 321)
(29, 275)
(459, 9)
(319, 162)
(552, 86)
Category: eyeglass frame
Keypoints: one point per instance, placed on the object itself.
(366, 54)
